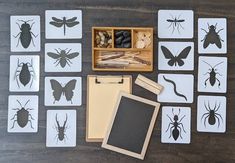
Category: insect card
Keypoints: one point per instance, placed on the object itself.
(25, 33)
(211, 114)
(176, 56)
(24, 73)
(61, 128)
(212, 74)
(22, 113)
(175, 23)
(63, 24)
(176, 125)
(178, 88)
(212, 35)
(63, 91)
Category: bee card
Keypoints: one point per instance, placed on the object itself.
(63, 24)
(176, 56)
(24, 73)
(25, 33)
(176, 125)
(212, 74)
(211, 114)
(175, 24)
(212, 35)
(61, 128)
(22, 114)
(63, 91)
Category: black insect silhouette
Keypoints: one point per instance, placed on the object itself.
(175, 23)
(61, 130)
(64, 22)
(63, 57)
(22, 116)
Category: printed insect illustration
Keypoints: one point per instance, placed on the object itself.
(62, 57)
(175, 23)
(61, 130)
(64, 22)
(22, 116)
(212, 37)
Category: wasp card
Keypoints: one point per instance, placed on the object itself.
(175, 24)
(24, 73)
(63, 24)
(211, 114)
(25, 33)
(176, 56)
(22, 114)
(61, 128)
(212, 74)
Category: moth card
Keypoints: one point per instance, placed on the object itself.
(24, 73)
(63, 24)
(212, 35)
(63, 91)
(176, 125)
(25, 33)
(22, 113)
(212, 74)
(211, 114)
(175, 23)
(63, 57)
(61, 128)
(178, 88)
(176, 56)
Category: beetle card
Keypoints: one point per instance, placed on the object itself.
(61, 128)
(24, 73)
(22, 113)
(212, 74)
(211, 114)
(25, 33)
(212, 35)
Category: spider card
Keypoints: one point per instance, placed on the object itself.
(61, 128)
(212, 35)
(24, 73)
(176, 56)
(63, 91)
(22, 114)
(25, 33)
(211, 114)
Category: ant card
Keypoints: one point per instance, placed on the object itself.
(24, 73)
(212, 35)
(61, 128)
(63, 24)
(178, 88)
(25, 33)
(22, 114)
(212, 74)
(211, 114)
(63, 91)
(176, 56)
(63, 57)
(176, 125)
(175, 24)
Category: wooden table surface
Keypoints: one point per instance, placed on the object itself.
(204, 147)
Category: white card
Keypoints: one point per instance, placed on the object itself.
(63, 24)
(212, 74)
(22, 114)
(212, 35)
(25, 33)
(178, 88)
(61, 128)
(175, 23)
(176, 56)
(211, 114)
(63, 91)
(24, 73)
(181, 116)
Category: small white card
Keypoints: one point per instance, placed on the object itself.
(61, 128)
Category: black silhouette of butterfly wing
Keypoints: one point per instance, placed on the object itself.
(72, 55)
(183, 54)
(68, 89)
(168, 55)
(53, 55)
(57, 89)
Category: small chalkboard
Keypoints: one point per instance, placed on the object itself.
(131, 126)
